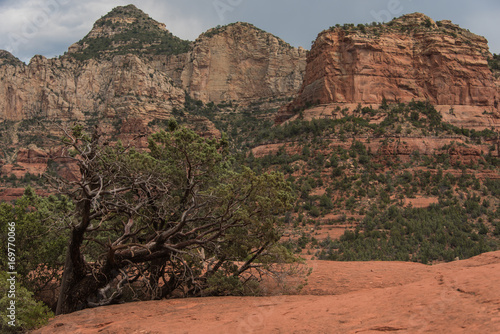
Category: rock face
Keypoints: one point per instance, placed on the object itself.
(118, 77)
(130, 72)
(108, 75)
(240, 62)
(69, 89)
(411, 57)
(340, 297)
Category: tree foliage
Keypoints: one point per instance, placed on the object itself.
(41, 226)
(174, 219)
(437, 233)
(30, 314)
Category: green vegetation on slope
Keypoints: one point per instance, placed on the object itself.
(441, 232)
(221, 29)
(128, 30)
(334, 171)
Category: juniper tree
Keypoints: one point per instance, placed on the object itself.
(179, 217)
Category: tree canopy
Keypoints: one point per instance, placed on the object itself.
(178, 218)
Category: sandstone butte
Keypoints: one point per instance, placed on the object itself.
(409, 58)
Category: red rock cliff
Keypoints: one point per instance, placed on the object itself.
(411, 57)
(240, 62)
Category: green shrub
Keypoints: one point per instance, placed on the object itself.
(222, 285)
(436, 233)
(29, 313)
(315, 211)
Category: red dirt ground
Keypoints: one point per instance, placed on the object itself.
(341, 297)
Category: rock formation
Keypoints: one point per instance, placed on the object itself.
(127, 30)
(8, 58)
(240, 62)
(411, 57)
(130, 64)
(130, 72)
(65, 88)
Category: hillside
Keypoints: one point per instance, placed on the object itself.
(395, 182)
(130, 62)
(130, 75)
(6, 58)
(348, 161)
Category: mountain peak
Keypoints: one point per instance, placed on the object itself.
(128, 9)
(124, 18)
(127, 29)
(232, 26)
(242, 28)
(415, 19)
(7, 58)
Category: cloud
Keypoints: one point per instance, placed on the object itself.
(185, 19)
(49, 27)
(485, 24)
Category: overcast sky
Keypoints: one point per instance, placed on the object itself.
(48, 27)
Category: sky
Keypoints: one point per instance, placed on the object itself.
(49, 27)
